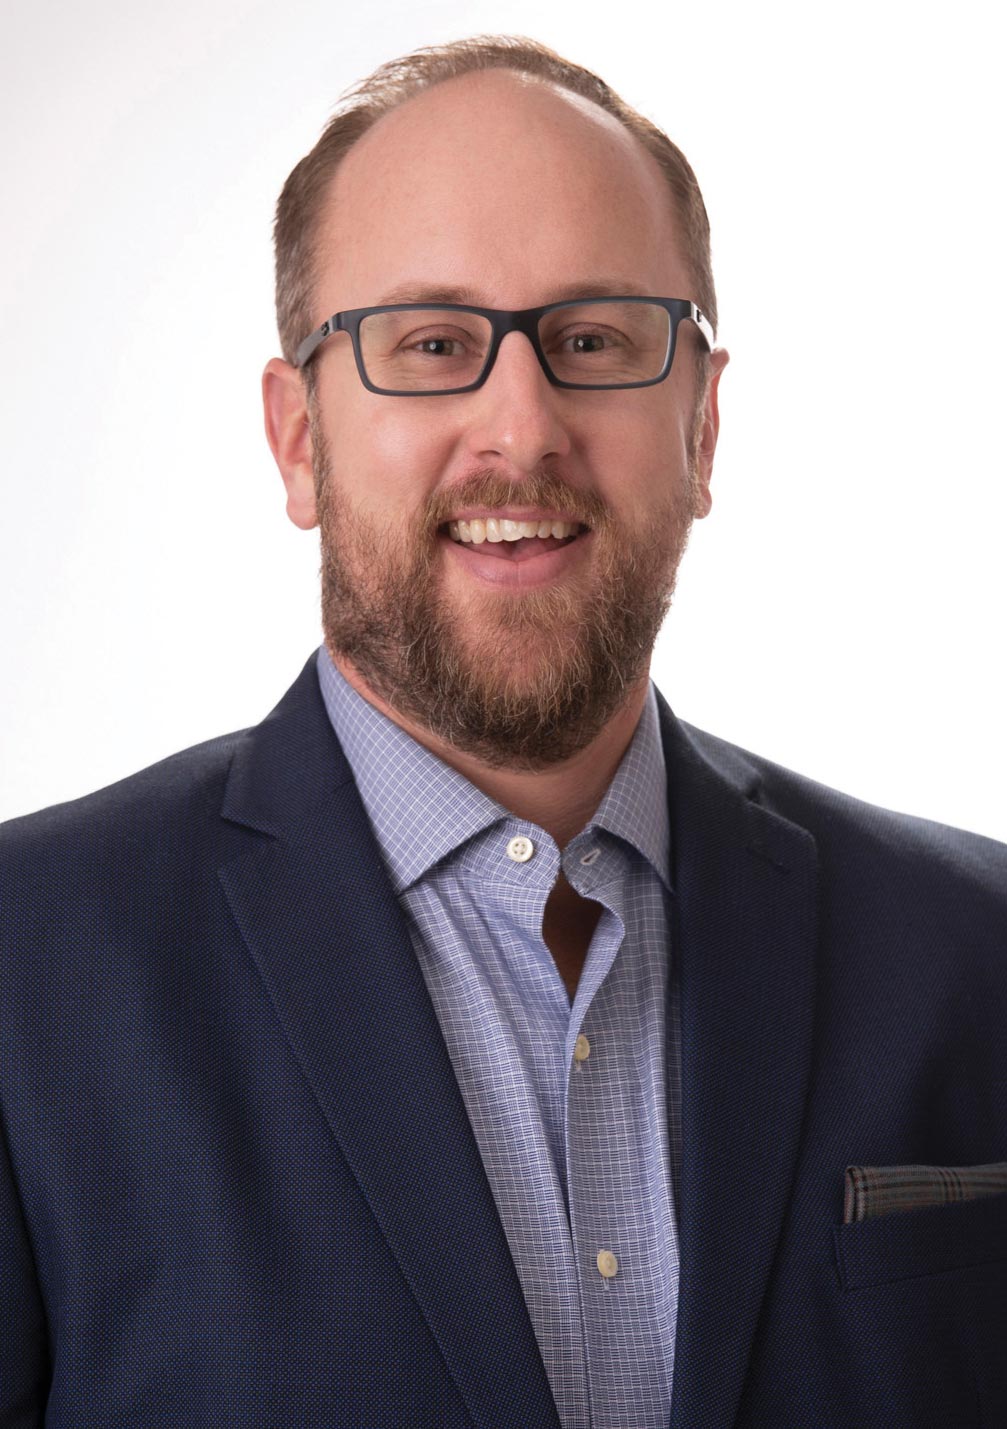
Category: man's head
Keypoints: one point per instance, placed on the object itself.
(495, 188)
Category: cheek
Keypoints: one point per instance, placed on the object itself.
(401, 452)
(641, 451)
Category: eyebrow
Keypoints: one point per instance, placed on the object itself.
(469, 298)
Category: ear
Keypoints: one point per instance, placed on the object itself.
(285, 408)
(707, 433)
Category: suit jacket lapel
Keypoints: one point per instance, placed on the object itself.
(314, 906)
(745, 883)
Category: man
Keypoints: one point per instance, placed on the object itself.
(472, 1043)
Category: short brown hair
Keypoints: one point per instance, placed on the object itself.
(300, 205)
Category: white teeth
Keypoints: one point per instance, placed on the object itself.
(501, 528)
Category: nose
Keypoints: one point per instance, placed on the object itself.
(518, 416)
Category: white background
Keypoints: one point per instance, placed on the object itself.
(842, 609)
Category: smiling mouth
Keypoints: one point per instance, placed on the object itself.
(513, 540)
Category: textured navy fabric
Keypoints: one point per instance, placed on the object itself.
(578, 1152)
(238, 1184)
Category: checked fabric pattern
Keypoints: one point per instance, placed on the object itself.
(880, 1190)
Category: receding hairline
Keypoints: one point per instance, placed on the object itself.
(357, 153)
(500, 76)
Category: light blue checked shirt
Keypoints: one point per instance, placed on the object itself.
(575, 1109)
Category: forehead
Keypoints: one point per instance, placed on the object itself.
(505, 187)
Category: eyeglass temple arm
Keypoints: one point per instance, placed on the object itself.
(316, 338)
(701, 321)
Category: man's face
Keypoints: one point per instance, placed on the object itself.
(499, 193)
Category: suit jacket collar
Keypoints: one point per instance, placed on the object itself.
(316, 909)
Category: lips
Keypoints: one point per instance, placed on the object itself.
(517, 548)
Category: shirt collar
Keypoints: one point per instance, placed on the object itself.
(422, 810)
(635, 805)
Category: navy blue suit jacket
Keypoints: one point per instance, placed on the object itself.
(238, 1185)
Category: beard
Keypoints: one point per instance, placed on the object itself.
(521, 681)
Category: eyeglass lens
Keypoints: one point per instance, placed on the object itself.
(594, 344)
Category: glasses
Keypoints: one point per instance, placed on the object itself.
(432, 349)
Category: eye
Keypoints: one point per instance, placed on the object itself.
(588, 342)
(437, 346)
(435, 339)
(585, 343)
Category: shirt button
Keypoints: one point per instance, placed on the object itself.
(581, 1049)
(520, 849)
(607, 1264)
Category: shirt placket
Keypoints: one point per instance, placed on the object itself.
(594, 1232)
(619, 1292)
(516, 865)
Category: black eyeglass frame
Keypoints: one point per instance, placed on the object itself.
(502, 322)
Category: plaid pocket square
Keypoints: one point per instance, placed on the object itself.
(882, 1190)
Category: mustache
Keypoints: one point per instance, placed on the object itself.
(490, 491)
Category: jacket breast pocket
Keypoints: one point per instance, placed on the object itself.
(905, 1245)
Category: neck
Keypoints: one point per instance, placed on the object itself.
(561, 798)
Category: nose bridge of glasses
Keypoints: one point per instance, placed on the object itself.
(524, 323)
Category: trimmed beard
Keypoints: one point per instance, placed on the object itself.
(578, 649)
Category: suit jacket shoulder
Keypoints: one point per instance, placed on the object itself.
(859, 839)
(167, 813)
